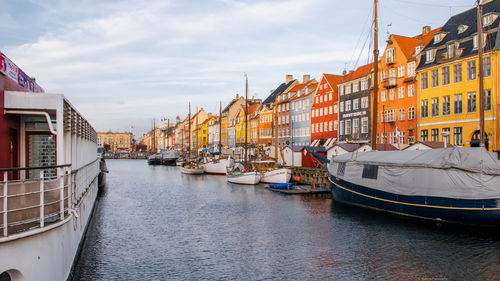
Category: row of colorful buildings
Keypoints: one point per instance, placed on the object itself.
(428, 91)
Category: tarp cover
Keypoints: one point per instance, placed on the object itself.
(461, 173)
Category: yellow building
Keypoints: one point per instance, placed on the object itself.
(118, 142)
(202, 132)
(448, 84)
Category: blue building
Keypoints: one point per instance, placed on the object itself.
(300, 112)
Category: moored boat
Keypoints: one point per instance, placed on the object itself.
(49, 181)
(238, 174)
(217, 166)
(154, 159)
(169, 157)
(451, 184)
(271, 174)
(192, 169)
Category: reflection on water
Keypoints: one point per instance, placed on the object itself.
(154, 223)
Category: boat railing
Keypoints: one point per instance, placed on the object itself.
(43, 195)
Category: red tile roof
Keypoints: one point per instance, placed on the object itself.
(361, 71)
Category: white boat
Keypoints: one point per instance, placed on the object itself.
(217, 166)
(271, 174)
(282, 175)
(192, 169)
(53, 171)
(251, 178)
(238, 174)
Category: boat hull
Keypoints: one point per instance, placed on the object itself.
(217, 167)
(169, 162)
(250, 178)
(483, 211)
(192, 171)
(277, 176)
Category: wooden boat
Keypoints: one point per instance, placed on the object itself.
(217, 166)
(271, 174)
(238, 174)
(192, 169)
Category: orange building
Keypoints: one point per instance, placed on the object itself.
(397, 100)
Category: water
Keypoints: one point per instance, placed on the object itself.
(154, 223)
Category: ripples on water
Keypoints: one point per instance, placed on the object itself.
(154, 223)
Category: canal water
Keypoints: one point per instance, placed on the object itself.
(154, 223)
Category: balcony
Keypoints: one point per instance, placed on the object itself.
(390, 83)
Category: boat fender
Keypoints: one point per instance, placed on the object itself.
(297, 178)
(244, 170)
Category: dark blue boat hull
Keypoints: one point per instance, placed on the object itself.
(483, 212)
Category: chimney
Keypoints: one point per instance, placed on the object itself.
(271, 91)
(306, 78)
(289, 78)
(344, 72)
(426, 29)
(237, 96)
(351, 71)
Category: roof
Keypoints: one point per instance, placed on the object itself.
(433, 144)
(361, 71)
(349, 147)
(450, 29)
(252, 108)
(333, 79)
(311, 84)
(278, 91)
(230, 104)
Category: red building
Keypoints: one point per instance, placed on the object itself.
(324, 111)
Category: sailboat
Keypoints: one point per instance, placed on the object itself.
(271, 173)
(238, 173)
(217, 165)
(458, 185)
(190, 166)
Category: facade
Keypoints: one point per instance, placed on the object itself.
(196, 121)
(397, 102)
(253, 118)
(300, 112)
(324, 111)
(228, 113)
(355, 105)
(448, 83)
(266, 121)
(213, 132)
(283, 112)
(203, 134)
(118, 142)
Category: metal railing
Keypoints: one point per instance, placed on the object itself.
(35, 202)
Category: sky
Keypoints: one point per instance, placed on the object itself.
(127, 63)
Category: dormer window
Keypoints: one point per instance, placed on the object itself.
(462, 28)
(474, 42)
(429, 56)
(452, 50)
(418, 49)
(489, 19)
(438, 37)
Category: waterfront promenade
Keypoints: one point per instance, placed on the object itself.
(154, 223)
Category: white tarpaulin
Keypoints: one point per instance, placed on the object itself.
(462, 173)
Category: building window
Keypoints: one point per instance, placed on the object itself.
(326, 126)
(435, 135)
(435, 107)
(335, 109)
(457, 135)
(355, 87)
(401, 114)
(341, 127)
(401, 92)
(411, 90)
(392, 94)
(390, 56)
(424, 105)
(355, 104)
(384, 75)
(341, 106)
(487, 99)
(383, 96)
(435, 78)
(425, 81)
(355, 126)
(402, 136)
(487, 67)
(336, 125)
(364, 125)
(471, 102)
(457, 73)
(347, 105)
(451, 50)
(411, 113)
(446, 105)
(429, 56)
(364, 102)
(471, 70)
(401, 71)
(474, 42)
(348, 127)
(411, 69)
(446, 75)
(330, 109)
(446, 139)
(457, 99)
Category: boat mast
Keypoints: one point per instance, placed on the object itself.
(480, 72)
(276, 130)
(375, 79)
(246, 118)
(220, 127)
(189, 130)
